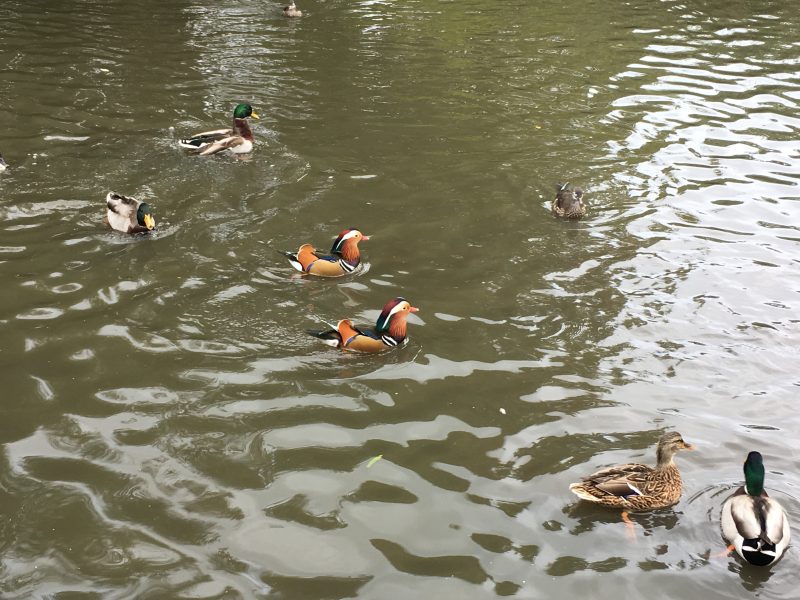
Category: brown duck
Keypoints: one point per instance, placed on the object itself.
(634, 486)
(568, 202)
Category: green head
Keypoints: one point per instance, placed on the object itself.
(754, 474)
(144, 216)
(242, 111)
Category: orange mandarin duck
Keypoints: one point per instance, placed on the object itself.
(389, 331)
(343, 259)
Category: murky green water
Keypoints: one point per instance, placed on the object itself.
(169, 431)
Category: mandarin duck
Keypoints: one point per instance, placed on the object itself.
(128, 215)
(389, 331)
(343, 259)
(292, 10)
(753, 523)
(634, 486)
(238, 139)
(568, 202)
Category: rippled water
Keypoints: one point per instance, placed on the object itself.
(169, 431)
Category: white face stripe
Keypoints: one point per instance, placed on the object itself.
(350, 234)
(396, 309)
(635, 489)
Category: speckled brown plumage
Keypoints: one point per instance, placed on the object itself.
(568, 202)
(635, 486)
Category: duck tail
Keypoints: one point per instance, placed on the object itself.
(579, 489)
(330, 337)
(190, 143)
(292, 256)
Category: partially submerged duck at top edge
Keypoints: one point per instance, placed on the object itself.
(291, 10)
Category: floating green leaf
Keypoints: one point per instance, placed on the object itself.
(373, 460)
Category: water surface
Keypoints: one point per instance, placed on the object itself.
(169, 431)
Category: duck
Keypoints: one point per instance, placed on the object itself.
(637, 487)
(3, 164)
(292, 10)
(389, 331)
(754, 524)
(343, 259)
(568, 202)
(128, 215)
(238, 139)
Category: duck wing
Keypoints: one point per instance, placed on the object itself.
(199, 140)
(225, 143)
(621, 480)
(124, 206)
(774, 521)
(745, 516)
(329, 257)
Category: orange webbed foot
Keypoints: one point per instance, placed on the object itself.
(630, 528)
(725, 553)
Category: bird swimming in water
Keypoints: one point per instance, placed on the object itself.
(238, 139)
(128, 215)
(754, 524)
(389, 331)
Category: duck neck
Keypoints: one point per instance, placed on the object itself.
(754, 479)
(350, 252)
(664, 458)
(241, 127)
(397, 327)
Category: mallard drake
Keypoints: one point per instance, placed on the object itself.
(3, 164)
(634, 486)
(128, 215)
(343, 259)
(567, 202)
(753, 523)
(238, 139)
(389, 331)
(292, 10)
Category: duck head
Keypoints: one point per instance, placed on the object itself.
(346, 245)
(243, 111)
(754, 474)
(392, 319)
(144, 216)
(668, 445)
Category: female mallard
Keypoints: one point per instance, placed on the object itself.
(238, 139)
(128, 215)
(568, 202)
(3, 164)
(638, 487)
(753, 523)
(292, 10)
(343, 259)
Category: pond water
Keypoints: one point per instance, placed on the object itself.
(168, 430)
